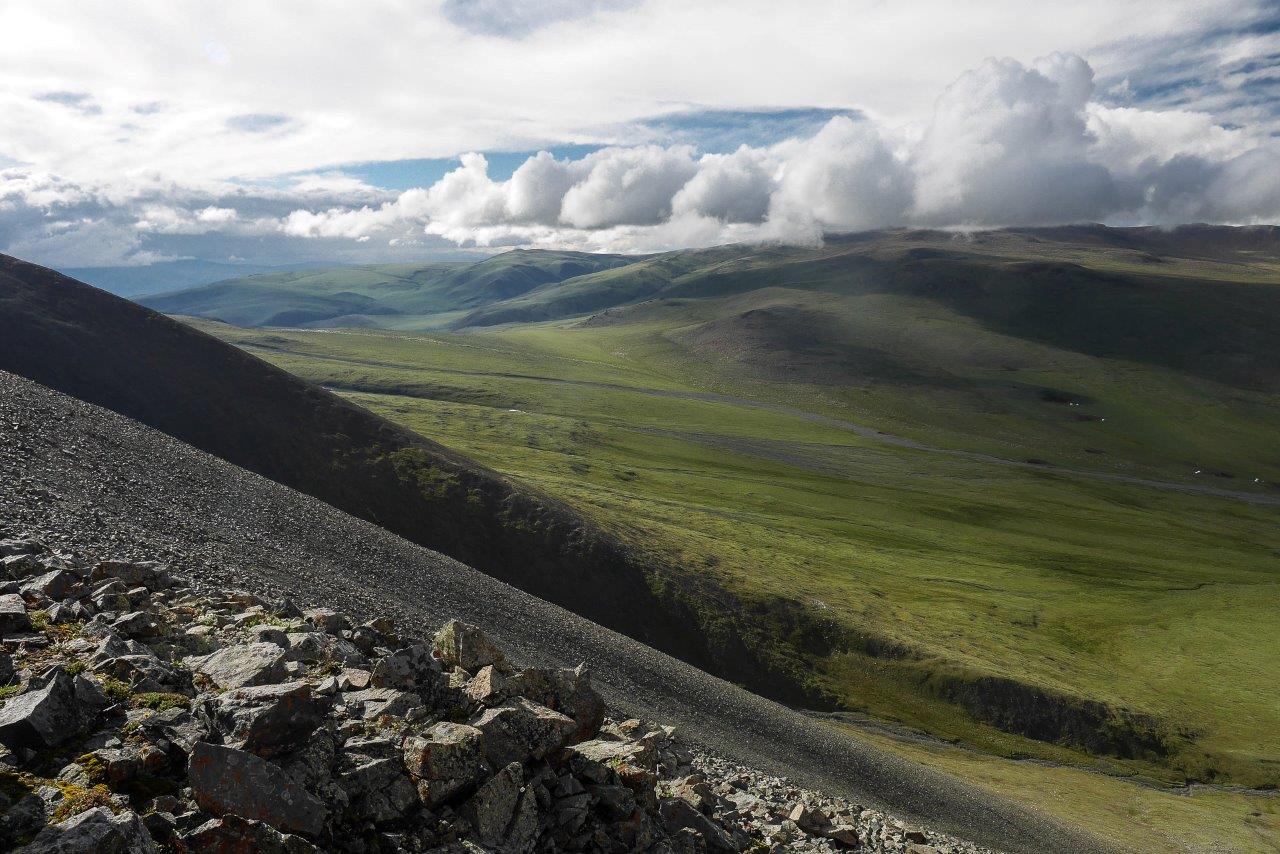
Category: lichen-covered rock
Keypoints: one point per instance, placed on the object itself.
(448, 760)
(95, 831)
(377, 785)
(45, 716)
(520, 729)
(267, 719)
(226, 780)
(568, 691)
(460, 644)
(492, 809)
(373, 703)
(243, 664)
(490, 687)
(232, 834)
(324, 620)
(138, 624)
(410, 668)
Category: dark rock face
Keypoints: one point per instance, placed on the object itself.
(226, 780)
(43, 717)
(268, 719)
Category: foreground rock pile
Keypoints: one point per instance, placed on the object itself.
(140, 714)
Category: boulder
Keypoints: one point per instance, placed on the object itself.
(495, 805)
(377, 786)
(138, 624)
(843, 834)
(270, 634)
(267, 719)
(53, 584)
(14, 619)
(12, 546)
(313, 647)
(410, 668)
(463, 645)
(44, 716)
(520, 730)
(593, 760)
(243, 665)
(95, 831)
(147, 574)
(324, 620)
(809, 820)
(225, 780)
(373, 703)
(490, 687)
(447, 760)
(677, 814)
(568, 691)
(232, 834)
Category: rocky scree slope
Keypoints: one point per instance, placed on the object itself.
(94, 481)
(143, 714)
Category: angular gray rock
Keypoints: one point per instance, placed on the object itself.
(13, 615)
(463, 645)
(408, 668)
(267, 719)
(448, 760)
(519, 729)
(133, 574)
(95, 831)
(232, 834)
(44, 716)
(243, 665)
(568, 691)
(226, 780)
(377, 785)
(493, 807)
(373, 703)
(52, 584)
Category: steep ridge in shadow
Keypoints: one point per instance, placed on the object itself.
(111, 352)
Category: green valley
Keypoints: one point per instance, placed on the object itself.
(1015, 492)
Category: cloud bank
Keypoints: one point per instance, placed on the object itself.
(1005, 143)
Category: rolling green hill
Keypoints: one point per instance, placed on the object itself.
(391, 296)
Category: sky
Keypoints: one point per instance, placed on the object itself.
(143, 131)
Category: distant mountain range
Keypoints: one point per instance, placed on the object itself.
(1122, 293)
(170, 275)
